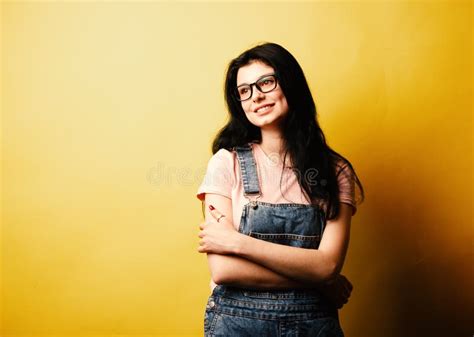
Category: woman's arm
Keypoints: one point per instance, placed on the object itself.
(237, 271)
(305, 265)
(242, 273)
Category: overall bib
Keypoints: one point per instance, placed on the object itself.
(238, 312)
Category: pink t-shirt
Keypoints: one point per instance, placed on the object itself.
(223, 177)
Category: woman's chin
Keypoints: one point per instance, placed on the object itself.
(262, 123)
(266, 121)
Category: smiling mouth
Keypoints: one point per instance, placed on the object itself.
(264, 108)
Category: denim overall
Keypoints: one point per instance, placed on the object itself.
(238, 312)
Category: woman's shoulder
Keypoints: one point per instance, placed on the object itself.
(223, 159)
(230, 154)
(219, 177)
(224, 152)
(224, 155)
(343, 166)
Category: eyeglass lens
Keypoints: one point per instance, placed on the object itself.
(265, 84)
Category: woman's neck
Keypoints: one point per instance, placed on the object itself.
(272, 141)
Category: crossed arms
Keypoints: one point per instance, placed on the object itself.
(240, 260)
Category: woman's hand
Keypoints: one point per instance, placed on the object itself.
(337, 290)
(219, 235)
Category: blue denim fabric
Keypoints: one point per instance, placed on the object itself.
(237, 312)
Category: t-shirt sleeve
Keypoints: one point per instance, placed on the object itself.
(346, 181)
(219, 178)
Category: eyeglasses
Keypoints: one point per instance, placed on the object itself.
(264, 84)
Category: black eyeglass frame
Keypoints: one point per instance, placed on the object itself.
(257, 86)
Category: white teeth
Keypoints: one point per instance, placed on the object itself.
(264, 108)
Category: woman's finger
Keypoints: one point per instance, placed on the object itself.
(216, 214)
(348, 283)
(347, 293)
(349, 288)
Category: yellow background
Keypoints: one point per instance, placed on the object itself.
(108, 112)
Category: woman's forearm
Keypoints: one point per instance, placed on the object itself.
(239, 272)
(304, 265)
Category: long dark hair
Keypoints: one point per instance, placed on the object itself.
(303, 139)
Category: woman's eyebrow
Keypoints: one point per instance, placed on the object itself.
(255, 80)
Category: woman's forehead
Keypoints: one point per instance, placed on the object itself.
(252, 71)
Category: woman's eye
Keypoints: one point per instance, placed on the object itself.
(266, 82)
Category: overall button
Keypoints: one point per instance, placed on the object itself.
(211, 304)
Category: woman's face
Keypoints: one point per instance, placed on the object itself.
(277, 108)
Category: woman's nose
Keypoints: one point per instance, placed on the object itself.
(257, 94)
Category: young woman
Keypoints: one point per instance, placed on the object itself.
(278, 206)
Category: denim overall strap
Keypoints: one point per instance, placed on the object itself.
(248, 168)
